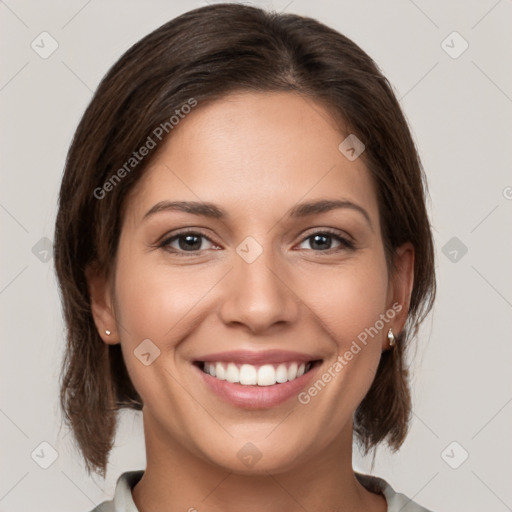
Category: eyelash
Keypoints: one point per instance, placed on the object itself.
(346, 244)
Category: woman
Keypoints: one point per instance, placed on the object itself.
(244, 255)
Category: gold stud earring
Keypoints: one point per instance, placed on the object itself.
(107, 332)
(391, 338)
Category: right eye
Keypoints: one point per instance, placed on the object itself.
(187, 242)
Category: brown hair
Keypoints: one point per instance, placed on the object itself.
(194, 56)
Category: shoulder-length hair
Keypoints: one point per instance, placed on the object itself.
(205, 54)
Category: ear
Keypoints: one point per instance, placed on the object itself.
(400, 289)
(102, 304)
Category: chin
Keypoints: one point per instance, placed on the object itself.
(253, 458)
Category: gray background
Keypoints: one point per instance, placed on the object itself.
(459, 110)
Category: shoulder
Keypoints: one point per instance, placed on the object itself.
(396, 501)
(106, 506)
(122, 500)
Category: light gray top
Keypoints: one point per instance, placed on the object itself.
(123, 501)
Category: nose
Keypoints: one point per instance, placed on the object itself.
(259, 294)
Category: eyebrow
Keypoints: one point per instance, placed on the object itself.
(206, 209)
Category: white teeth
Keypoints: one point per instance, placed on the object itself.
(281, 374)
(220, 373)
(232, 373)
(210, 368)
(266, 375)
(249, 375)
(292, 371)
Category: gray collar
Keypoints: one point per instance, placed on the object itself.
(397, 502)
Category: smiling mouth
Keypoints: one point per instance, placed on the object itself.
(256, 375)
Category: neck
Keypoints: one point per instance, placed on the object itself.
(176, 479)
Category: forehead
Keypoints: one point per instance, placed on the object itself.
(255, 153)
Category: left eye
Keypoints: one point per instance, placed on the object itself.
(321, 239)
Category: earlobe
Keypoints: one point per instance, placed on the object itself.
(102, 305)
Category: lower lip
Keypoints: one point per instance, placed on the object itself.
(257, 397)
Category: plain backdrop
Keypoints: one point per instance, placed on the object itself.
(456, 91)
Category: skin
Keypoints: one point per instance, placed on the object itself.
(256, 155)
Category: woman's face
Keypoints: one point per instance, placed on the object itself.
(273, 282)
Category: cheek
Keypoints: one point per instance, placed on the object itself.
(153, 301)
(348, 299)
(348, 302)
(150, 305)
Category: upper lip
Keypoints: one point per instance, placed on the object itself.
(258, 357)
